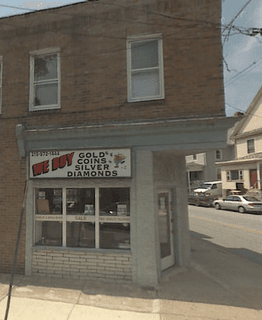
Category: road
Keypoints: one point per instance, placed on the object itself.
(240, 233)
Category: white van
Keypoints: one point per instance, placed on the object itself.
(213, 187)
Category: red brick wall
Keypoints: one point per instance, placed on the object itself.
(92, 39)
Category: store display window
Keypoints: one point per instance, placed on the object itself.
(83, 217)
(48, 201)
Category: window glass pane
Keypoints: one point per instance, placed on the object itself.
(234, 175)
(145, 84)
(45, 67)
(46, 94)
(48, 201)
(80, 234)
(144, 54)
(48, 233)
(80, 201)
(114, 235)
(218, 154)
(250, 146)
(114, 201)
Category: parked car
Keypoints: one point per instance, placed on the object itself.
(213, 187)
(239, 203)
(200, 199)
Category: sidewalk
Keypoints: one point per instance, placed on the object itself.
(219, 285)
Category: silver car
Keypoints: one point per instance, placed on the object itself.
(239, 203)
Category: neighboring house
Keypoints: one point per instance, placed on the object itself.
(201, 167)
(244, 172)
(101, 102)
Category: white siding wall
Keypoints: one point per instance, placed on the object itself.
(246, 179)
(241, 146)
(200, 159)
(258, 143)
(254, 122)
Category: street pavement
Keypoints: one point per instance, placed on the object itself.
(218, 285)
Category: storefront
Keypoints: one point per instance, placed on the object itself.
(81, 210)
(102, 214)
(108, 202)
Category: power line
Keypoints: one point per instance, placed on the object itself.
(246, 113)
(196, 22)
(235, 77)
(13, 7)
(230, 24)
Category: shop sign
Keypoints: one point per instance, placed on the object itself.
(83, 218)
(48, 217)
(80, 218)
(114, 219)
(104, 163)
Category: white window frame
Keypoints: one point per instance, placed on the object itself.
(144, 38)
(37, 53)
(220, 153)
(96, 218)
(240, 175)
(248, 147)
(1, 81)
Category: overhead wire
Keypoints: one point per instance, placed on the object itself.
(230, 23)
(235, 77)
(196, 22)
(13, 7)
(246, 113)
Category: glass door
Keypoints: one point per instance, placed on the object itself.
(165, 229)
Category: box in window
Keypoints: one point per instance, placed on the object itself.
(122, 209)
(89, 209)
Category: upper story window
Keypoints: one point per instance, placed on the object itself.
(194, 156)
(218, 155)
(250, 146)
(1, 72)
(145, 70)
(45, 79)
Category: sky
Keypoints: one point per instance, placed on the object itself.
(242, 53)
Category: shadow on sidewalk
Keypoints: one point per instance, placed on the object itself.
(217, 276)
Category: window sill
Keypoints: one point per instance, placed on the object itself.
(44, 108)
(89, 250)
(139, 100)
(44, 111)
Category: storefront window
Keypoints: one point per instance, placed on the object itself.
(48, 201)
(80, 201)
(71, 217)
(80, 234)
(114, 235)
(114, 202)
(48, 233)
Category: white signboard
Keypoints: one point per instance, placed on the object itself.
(106, 163)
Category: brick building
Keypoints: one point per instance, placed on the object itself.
(100, 103)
